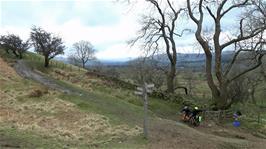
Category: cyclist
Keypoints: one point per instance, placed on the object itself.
(186, 112)
(195, 118)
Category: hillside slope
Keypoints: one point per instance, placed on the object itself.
(29, 110)
(35, 116)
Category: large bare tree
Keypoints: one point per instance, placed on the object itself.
(249, 38)
(83, 52)
(158, 32)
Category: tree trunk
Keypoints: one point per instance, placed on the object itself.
(15, 53)
(82, 63)
(183, 87)
(221, 99)
(211, 84)
(20, 55)
(46, 61)
(252, 94)
(171, 79)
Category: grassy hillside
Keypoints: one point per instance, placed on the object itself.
(100, 113)
(99, 88)
(29, 111)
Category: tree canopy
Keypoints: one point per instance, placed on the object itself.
(15, 44)
(46, 44)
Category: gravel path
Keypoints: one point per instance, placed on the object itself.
(23, 70)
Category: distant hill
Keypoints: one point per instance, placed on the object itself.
(102, 62)
(195, 61)
(184, 60)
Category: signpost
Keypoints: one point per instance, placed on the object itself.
(143, 91)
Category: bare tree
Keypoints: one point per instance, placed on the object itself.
(72, 60)
(152, 75)
(244, 88)
(84, 51)
(158, 31)
(250, 37)
(46, 44)
(15, 44)
(189, 81)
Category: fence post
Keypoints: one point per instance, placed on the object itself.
(219, 116)
(259, 118)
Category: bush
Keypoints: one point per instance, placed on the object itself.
(38, 92)
(15, 44)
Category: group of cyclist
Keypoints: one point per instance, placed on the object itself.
(194, 116)
(191, 115)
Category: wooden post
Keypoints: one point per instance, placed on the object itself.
(145, 121)
(143, 91)
(219, 116)
(258, 118)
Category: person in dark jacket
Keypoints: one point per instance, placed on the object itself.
(195, 112)
(186, 113)
(195, 117)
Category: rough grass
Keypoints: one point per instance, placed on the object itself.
(102, 116)
(36, 62)
(99, 90)
(12, 137)
(49, 116)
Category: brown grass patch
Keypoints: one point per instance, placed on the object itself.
(52, 116)
(58, 118)
(6, 71)
(38, 92)
(77, 78)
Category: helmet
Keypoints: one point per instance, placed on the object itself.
(186, 107)
(196, 108)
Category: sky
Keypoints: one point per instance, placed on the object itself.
(107, 24)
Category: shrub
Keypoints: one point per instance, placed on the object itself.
(38, 92)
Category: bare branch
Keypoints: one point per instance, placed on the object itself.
(254, 33)
(229, 67)
(191, 13)
(234, 6)
(221, 7)
(183, 31)
(211, 14)
(250, 69)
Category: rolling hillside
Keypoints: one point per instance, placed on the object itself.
(87, 111)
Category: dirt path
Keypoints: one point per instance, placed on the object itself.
(23, 70)
(171, 135)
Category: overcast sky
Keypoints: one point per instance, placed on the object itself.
(105, 23)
